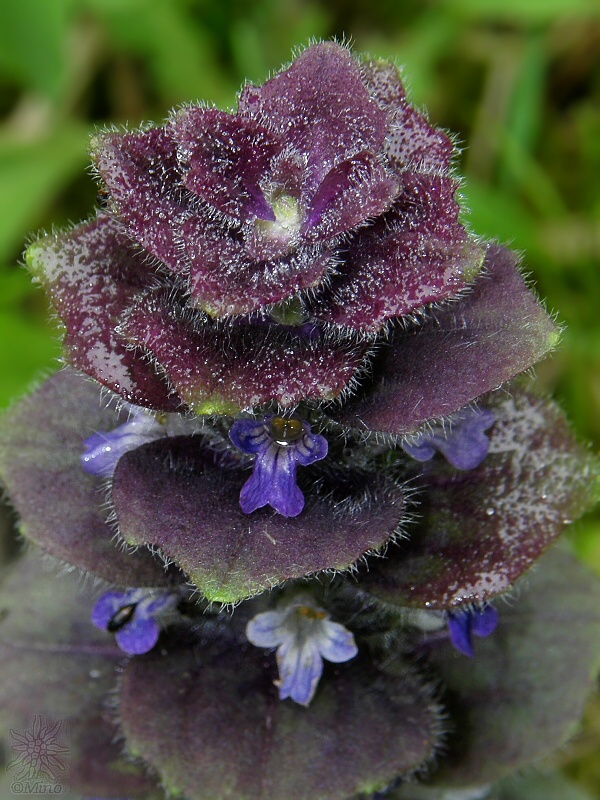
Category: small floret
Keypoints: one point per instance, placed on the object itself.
(279, 444)
(104, 449)
(132, 616)
(304, 635)
(464, 445)
(463, 625)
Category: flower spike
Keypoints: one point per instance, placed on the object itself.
(304, 253)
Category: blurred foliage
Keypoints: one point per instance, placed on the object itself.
(517, 80)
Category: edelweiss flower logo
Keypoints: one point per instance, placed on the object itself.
(39, 751)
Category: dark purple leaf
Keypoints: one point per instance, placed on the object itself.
(92, 273)
(61, 507)
(141, 175)
(320, 106)
(417, 254)
(353, 191)
(56, 664)
(463, 350)
(413, 143)
(220, 368)
(224, 159)
(480, 530)
(174, 495)
(364, 727)
(231, 276)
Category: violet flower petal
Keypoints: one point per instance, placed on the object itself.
(139, 635)
(336, 643)
(265, 630)
(485, 622)
(139, 632)
(273, 482)
(104, 449)
(465, 445)
(464, 624)
(421, 448)
(249, 435)
(310, 448)
(306, 636)
(155, 604)
(108, 605)
(300, 669)
(459, 625)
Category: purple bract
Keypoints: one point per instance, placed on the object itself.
(285, 239)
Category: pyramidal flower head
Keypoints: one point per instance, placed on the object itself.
(286, 237)
(283, 272)
(303, 348)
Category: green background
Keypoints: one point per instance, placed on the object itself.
(517, 80)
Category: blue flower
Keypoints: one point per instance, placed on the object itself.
(103, 450)
(464, 624)
(464, 445)
(279, 444)
(304, 635)
(131, 616)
